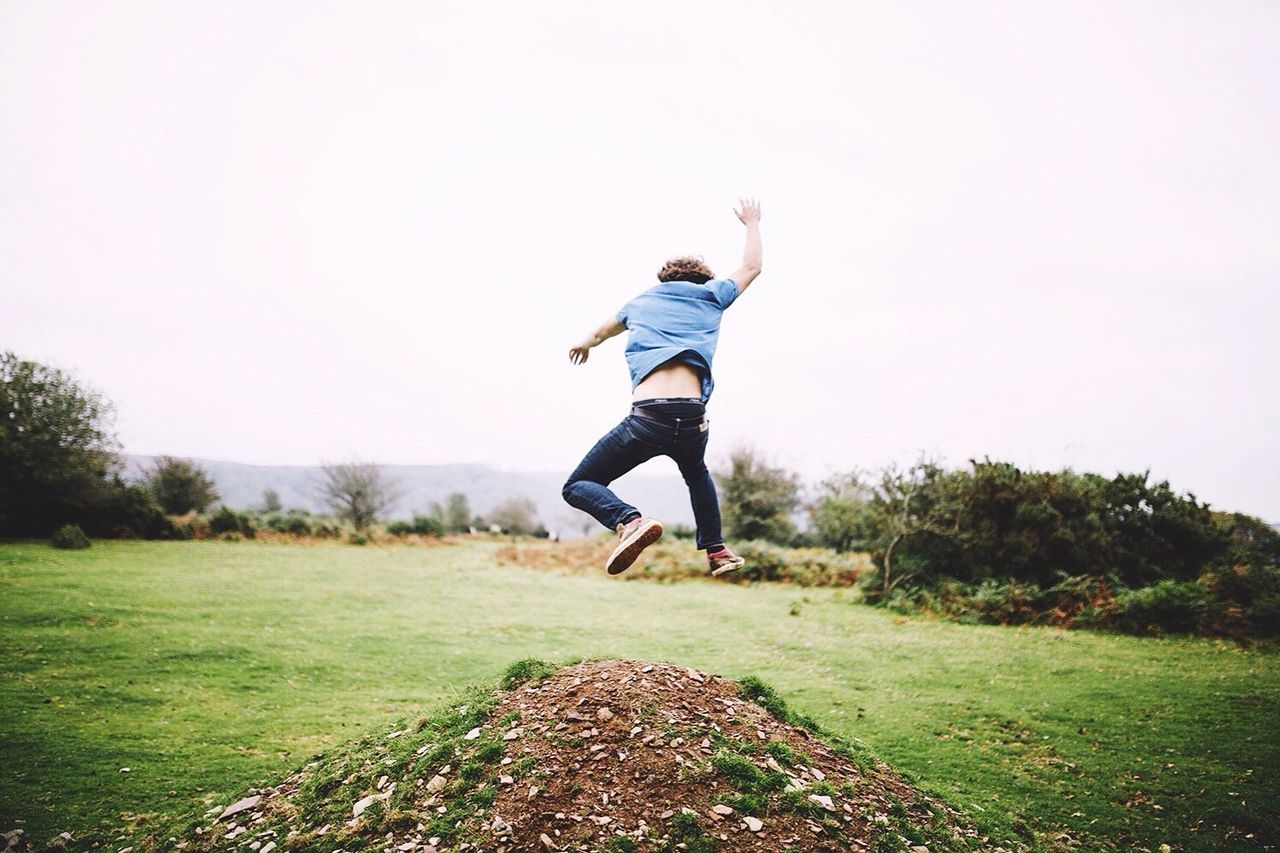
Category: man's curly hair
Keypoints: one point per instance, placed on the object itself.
(686, 269)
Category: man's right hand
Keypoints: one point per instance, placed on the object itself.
(749, 212)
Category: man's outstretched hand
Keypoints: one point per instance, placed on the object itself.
(749, 211)
(609, 328)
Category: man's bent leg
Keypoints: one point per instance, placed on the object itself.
(587, 487)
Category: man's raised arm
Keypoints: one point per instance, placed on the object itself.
(749, 215)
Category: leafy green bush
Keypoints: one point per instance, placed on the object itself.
(299, 525)
(1006, 603)
(423, 525)
(69, 537)
(994, 520)
(358, 538)
(180, 485)
(1168, 606)
(126, 511)
(325, 528)
(1264, 616)
(803, 566)
(225, 520)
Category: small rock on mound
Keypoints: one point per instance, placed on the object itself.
(603, 755)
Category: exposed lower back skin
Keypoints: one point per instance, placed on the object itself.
(670, 379)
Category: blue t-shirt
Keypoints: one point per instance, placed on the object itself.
(676, 319)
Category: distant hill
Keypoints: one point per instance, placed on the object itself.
(241, 486)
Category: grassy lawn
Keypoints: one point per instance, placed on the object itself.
(203, 667)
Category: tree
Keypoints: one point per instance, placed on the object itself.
(57, 449)
(515, 516)
(909, 502)
(757, 499)
(457, 513)
(842, 515)
(59, 462)
(271, 501)
(180, 486)
(356, 491)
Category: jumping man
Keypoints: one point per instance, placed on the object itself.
(674, 327)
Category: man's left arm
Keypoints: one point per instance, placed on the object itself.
(613, 326)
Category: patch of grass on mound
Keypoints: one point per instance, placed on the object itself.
(528, 669)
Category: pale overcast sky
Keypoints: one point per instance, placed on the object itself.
(281, 232)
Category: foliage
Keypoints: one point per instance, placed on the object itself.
(842, 514)
(58, 460)
(804, 566)
(224, 520)
(1035, 526)
(757, 499)
(426, 525)
(271, 501)
(456, 515)
(69, 537)
(180, 485)
(997, 521)
(1168, 605)
(57, 448)
(356, 491)
(515, 516)
(298, 524)
(126, 511)
(422, 525)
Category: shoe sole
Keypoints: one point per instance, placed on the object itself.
(729, 567)
(629, 549)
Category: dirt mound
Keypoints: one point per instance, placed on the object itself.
(603, 755)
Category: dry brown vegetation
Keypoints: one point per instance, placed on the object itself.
(672, 560)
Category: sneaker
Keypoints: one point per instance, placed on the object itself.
(723, 561)
(633, 538)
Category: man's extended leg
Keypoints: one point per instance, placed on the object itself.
(706, 509)
(702, 495)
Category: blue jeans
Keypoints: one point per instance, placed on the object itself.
(637, 440)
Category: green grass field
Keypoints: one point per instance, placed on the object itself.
(204, 667)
